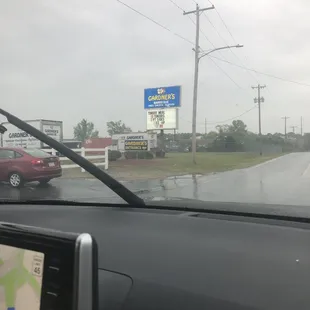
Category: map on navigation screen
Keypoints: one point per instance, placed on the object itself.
(21, 274)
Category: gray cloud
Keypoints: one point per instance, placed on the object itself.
(72, 59)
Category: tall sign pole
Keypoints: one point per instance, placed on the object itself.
(197, 12)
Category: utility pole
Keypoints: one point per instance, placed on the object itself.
(293, 127)
(205, 126)
(197, 12)
(285, 119)
(258, 100)
(301, 129)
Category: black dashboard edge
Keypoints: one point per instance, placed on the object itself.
(251, 210)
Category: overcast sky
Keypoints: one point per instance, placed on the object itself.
(72, 59)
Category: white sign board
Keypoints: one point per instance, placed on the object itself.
(53, 131)
(134, 138)
(14, 137)
(160, 119)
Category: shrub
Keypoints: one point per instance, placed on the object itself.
(114, 155)
(160, 153)
(139, 155)
(145, 155)
(202, 149)
(131, 155)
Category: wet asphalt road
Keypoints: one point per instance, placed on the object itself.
(285, 180)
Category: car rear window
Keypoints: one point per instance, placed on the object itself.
(36, 153)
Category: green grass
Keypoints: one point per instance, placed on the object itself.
(178, 164)
(211, 162)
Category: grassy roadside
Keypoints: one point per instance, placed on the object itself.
(176, 164)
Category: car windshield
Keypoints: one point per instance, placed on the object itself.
(205, 101)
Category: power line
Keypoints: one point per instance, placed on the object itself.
(230, 33)
(225, 42)
(193, 22)
(208, 19)
(205, 36)
(218, 13)
(262, 73)
(175, 4)
(181, 9)
(230, 119)
(190, 18)
(226, 74)
(155, 22)
(226, 120)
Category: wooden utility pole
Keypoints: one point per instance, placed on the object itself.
(293, 127)
(285, 121)
(258, 100)
(197, 12)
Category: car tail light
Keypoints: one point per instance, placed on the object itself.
(37, 162)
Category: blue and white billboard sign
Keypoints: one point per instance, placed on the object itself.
(162, 97)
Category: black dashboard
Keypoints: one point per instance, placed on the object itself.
(166, 259)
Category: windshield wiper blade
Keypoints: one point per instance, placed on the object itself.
(110, 182)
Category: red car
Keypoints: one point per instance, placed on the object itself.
(18, 165)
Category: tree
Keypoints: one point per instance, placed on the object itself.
(222, 129)
(238, 127)
(211, 135)
(185, 135)
(307, 141)
(117, 127)
(85, 130)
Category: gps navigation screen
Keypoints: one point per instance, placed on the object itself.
(21, 274)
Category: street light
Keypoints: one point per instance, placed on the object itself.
(198, 56)
(217, 49)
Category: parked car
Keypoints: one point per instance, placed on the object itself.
(18, 166)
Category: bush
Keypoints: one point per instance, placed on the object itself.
(145, 155)
(202, 149)
(226, 144)
(130, 155)
(114, 155)
(160, 153)
(139, 155)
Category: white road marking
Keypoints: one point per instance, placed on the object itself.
(267, 162)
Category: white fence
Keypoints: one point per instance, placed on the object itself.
(83, 151)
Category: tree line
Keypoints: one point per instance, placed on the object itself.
(235, 135)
